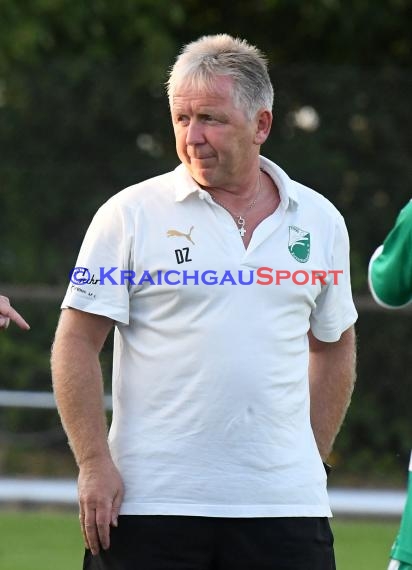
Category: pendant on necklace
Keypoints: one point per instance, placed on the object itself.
(241, 223)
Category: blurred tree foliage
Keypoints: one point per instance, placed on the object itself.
(83, 113)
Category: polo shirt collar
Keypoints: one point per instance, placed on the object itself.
(286, 186)
(186, 185)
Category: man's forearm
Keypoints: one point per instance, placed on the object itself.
(78, 388)
(332, 377)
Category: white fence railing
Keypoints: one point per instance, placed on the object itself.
(345, 502)
(23, 399)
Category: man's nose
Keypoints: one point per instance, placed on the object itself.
(194, 133)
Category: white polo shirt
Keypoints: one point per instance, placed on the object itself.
(210, 375)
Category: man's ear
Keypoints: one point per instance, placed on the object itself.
(263, 125)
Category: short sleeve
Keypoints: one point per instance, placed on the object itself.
(390, 267)
(335, 311)
(96, 283)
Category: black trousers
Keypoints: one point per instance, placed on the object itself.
(203, 543)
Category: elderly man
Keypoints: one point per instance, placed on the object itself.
(228, 284)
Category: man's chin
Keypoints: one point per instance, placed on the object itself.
(204, 176)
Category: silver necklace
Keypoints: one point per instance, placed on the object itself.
(240, 218)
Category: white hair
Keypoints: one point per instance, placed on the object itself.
(222, 55)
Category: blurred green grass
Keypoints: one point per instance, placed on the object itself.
(363, 544)
(37, 540)
(44, 540)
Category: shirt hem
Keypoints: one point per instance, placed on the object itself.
(374, 293)
(402, 554)
(334, 336)
(87, 308)
(238, 511)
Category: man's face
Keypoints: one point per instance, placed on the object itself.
(214, 139)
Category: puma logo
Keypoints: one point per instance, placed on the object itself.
(176, 233)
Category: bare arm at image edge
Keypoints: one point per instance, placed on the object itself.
(78, 388)
(390, 267)
(332, 373)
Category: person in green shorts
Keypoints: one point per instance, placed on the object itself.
(390, 282)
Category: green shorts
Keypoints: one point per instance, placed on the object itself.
(402, 548)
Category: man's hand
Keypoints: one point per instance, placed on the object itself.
(100, 496)
(7, 314)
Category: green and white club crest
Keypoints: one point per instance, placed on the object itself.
(299, 244)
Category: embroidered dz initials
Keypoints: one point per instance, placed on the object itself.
(182, 255)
